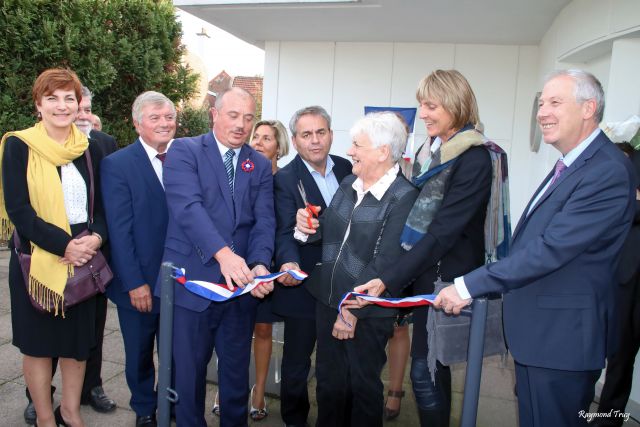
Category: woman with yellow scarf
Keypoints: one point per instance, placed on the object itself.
(45, 198)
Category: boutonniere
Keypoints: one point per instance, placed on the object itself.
(247, 166)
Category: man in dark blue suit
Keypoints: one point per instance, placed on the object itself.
(320, 175)
(558, 282)
(137, 217)
(221, 229)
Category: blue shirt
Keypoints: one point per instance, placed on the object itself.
(327, 184)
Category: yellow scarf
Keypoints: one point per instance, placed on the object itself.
(47, 277)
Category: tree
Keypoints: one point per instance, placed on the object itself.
(118, 48)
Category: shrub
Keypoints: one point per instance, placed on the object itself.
(118, 48)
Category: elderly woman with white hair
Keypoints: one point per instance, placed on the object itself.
(360, 233)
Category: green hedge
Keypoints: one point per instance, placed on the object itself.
(118, 48)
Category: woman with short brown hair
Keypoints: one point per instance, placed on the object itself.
(45, 197)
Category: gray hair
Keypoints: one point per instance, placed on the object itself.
(86, 93)
(314, 110)
(149, 97)
(220, 97)
(383, 128)
(587, 87)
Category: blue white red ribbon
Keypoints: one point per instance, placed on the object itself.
(219, 292)
(413, 301)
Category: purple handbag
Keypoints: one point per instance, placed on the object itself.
(88, 280)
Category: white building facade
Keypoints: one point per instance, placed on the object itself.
(600, 36)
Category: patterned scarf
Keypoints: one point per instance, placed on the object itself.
(47, 276)
(431, 177)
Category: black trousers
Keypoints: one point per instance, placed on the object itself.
(619, 376)
(92, 376)
(299, 341)
(349, 389)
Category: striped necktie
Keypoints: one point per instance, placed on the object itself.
(228, 165)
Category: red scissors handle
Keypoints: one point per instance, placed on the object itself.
(313, 213)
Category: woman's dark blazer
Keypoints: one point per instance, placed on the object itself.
(455, 237)
(30, 227)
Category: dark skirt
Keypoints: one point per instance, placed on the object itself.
(44, 335)
(264, 314)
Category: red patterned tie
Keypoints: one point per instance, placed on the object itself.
(161, 156)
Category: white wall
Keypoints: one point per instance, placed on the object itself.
(344, 77)
(600, 36)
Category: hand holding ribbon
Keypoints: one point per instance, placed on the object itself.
(287, 279)
(344, 327)
(266, 287)
(449, 300)
(373, 287)
(218, 292)
(414, 301)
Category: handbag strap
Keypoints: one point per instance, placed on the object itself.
(91, 188)
(16, 239)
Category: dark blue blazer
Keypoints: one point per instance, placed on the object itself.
(204, 216)
(559, 278)
(297, 301)
(136, 211)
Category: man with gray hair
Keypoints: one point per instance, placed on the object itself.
(84, 122)
(136, 211)
(558, 281)
(320, 175)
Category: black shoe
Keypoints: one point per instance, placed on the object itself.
(99, 401)
(58, 416)
(30, 414)
(146, 421)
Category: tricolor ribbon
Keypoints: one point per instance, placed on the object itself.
(219, 292)
(413, 301)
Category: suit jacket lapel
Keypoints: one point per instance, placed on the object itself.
(217, 167)
(146, 169)
(339, 171)
(595, 145)
(242, 178)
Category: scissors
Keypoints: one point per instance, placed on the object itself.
(312, 210)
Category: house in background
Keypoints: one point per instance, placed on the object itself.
(344, 55)
(224, 81)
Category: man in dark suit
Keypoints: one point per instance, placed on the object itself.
(320, 175)
(92, 391)
(559, 298)
(84, 121)
(136, 211)
(221, 229)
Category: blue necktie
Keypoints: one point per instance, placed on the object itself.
(228, 165)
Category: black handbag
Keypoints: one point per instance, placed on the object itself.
(88, 280)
